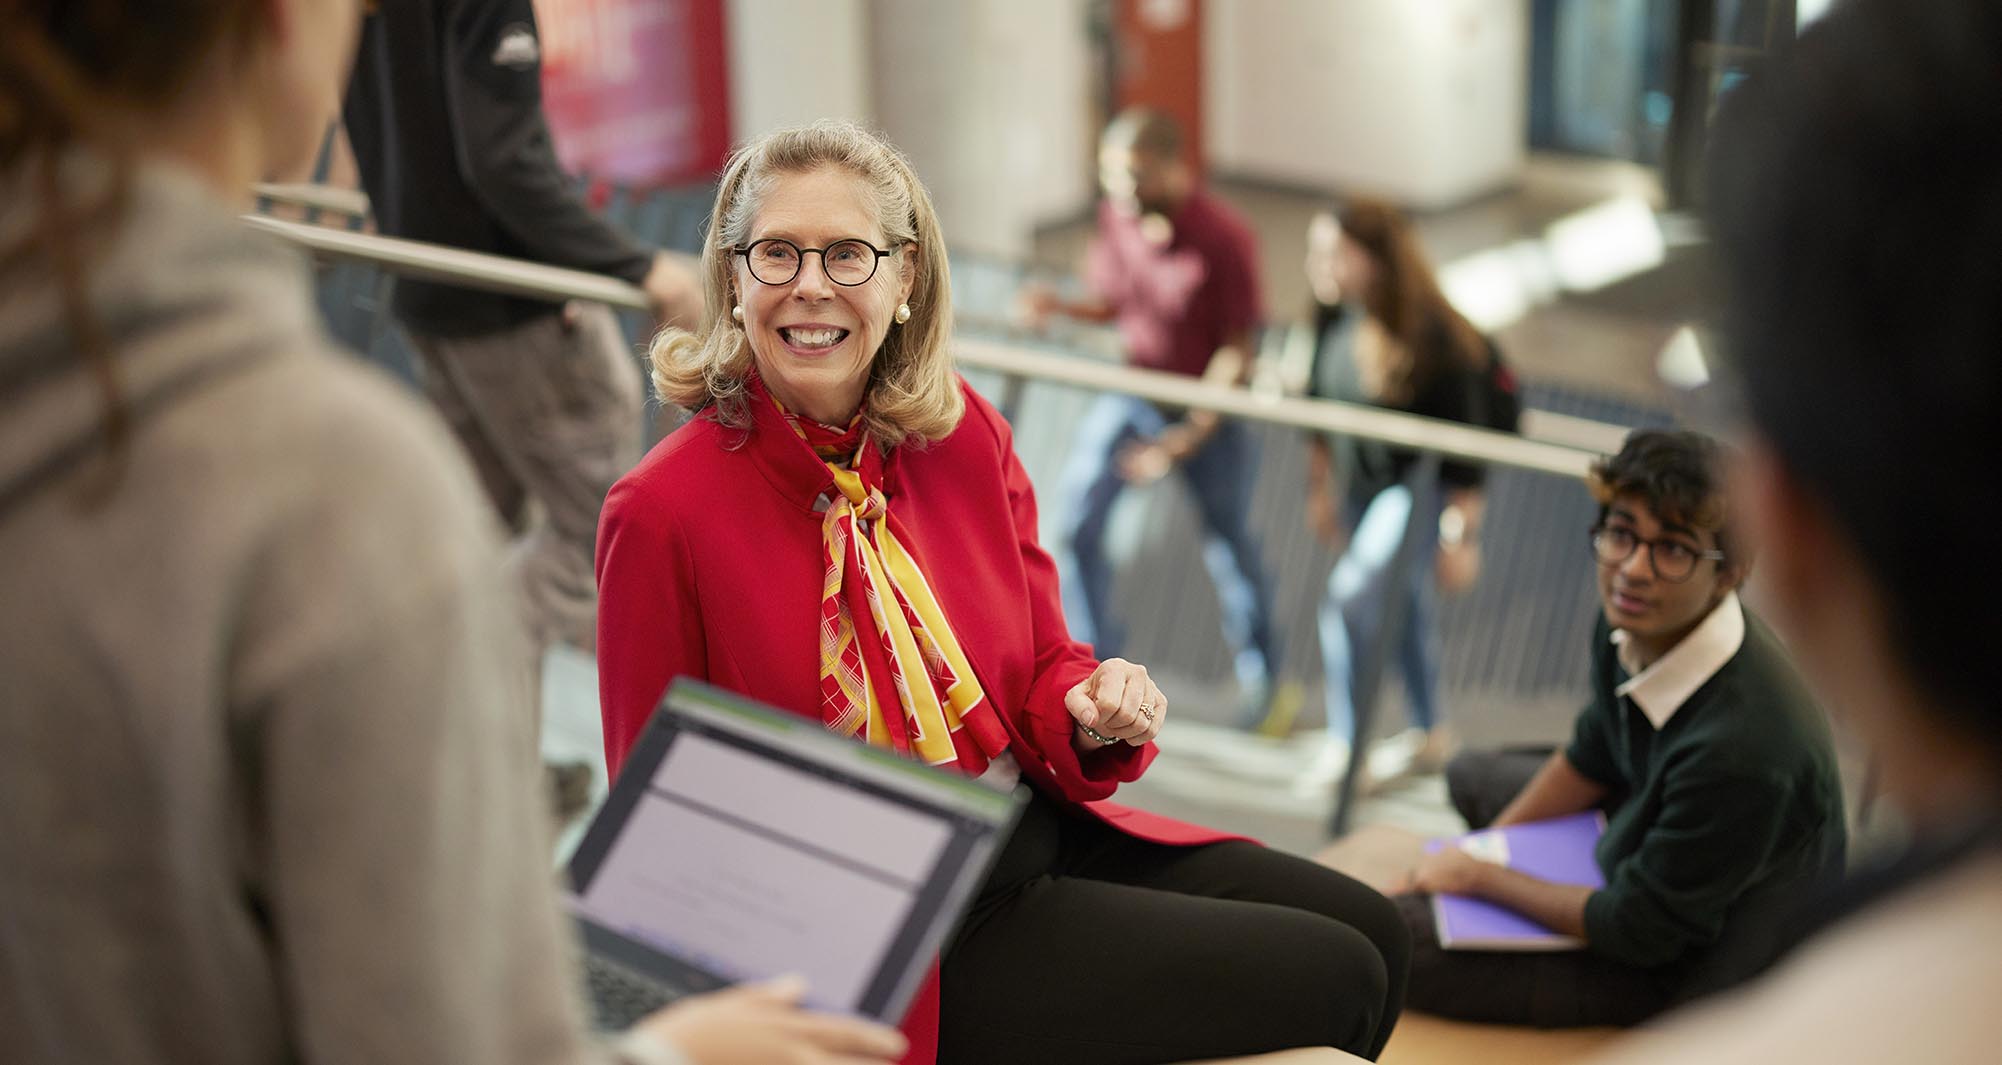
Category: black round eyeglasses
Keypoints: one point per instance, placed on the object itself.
(1672, 560)
(776, 261)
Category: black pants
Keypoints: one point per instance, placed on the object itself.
(1570, 989)
(1483, 783)
(1087, 945)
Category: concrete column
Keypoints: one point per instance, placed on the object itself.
(1424, 102)
(793, 61)
(991, 100)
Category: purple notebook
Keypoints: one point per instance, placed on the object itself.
(1559, 849)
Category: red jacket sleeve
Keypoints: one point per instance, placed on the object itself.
(1061, 662)
(646, 603)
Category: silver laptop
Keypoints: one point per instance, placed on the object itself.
(741, 843)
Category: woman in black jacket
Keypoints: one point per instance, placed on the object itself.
(1385, 335)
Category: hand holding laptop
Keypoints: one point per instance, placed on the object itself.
(760, 1023)
(740, 841)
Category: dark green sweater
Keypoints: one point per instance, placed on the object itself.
(1715, 821)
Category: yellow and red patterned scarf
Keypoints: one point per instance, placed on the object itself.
(940, 716)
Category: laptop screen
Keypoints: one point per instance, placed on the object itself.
(753, 847)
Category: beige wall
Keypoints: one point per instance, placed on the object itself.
(792, 61)
(991, 99)
(1422, 101)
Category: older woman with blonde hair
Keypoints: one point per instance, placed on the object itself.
(844, 531)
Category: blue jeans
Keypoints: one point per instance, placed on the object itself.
(1351, 617)
(1220, 477)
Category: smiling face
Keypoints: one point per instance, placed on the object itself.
(814, 340)
(1656, 613)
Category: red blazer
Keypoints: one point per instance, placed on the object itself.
(709, 566)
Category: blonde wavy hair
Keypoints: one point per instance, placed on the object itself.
(912, 392)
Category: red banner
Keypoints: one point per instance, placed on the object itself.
(636, 90)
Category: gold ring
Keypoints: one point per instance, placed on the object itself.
(1147, 711)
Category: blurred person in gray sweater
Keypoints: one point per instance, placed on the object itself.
(265, 765)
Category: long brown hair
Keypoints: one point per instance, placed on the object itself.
(1425, 332)
(68, 69)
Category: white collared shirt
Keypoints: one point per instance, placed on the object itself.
(1662, 688)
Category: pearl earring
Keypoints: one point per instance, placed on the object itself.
(903, 313)
(737, 312)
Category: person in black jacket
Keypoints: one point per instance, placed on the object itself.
(444, 111)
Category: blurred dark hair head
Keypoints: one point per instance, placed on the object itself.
(73, 72)
(1404, 297)
(68, 66)
(1856, 197)
(1680, 475)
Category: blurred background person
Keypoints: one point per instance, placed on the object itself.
(265, 765)
(444, 112)
(1387, 336)
(1177, 269)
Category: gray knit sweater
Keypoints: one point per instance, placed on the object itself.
(267, 787)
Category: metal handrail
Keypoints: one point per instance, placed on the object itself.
(1448, 438)
(351, 202)
(496, 273)
(432, 262)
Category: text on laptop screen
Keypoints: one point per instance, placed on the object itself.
(772, 870)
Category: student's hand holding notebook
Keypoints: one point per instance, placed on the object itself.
(1559, 850)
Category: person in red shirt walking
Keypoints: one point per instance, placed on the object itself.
(1177, 270)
